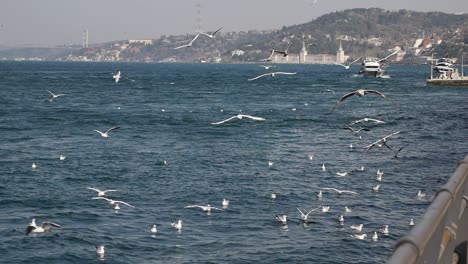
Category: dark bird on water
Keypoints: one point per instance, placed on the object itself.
(360, 92)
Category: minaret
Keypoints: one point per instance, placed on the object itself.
(303, 53)
(340, 54)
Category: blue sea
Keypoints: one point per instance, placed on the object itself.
(167, 155)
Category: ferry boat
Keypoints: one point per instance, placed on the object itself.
(372, 67)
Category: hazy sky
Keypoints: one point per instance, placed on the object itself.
(58, 22)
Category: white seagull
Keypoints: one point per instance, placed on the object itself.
(347, 209)
(282, 218)
(361, 237)
(381, 141)
(153, 229)
(342, 174)
(325, 209)
(190, 43)
(239, 116)
(271, 56)
(267, 67)
(421, 194)
(177, 225)
(376, 188)
(205, 208)
(339, 191)
(347, 66)
(45, 227)
(211, 36)
(323, 167)
(225, 203)
(117, 77)
(113, 202)
(106, 134)
(365, 120)
(100, 250)
(62, 157)
(304, 216)
(384, 230)
(272, 74)
(273, 196)
(357, 227)
(34, 166)
(360, 92)
(319, 195)
(411, 222)
(341, 219)
(100, 193)
(375, 237)
(53, 96)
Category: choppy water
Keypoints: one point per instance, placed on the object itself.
(207, 163)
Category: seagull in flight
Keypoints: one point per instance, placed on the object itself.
(270, 57)
(45, 227)
(206, 208)
(356, 131)
(365, 120)
(100, 193)
(349, 65)
(328, 91)
(272, 74)
(339, 191)
(211, 36)
(395, 151)
(304, 216)
(311, 44)
(384, 59)
(381, 141)
(239, 116)
(360, 92)
(267, 67)
(106, 134)
(53, 96)
(285, 52)
(112, 202)
(190, 43)
(117, 77)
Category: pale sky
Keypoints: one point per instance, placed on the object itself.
(58, 22)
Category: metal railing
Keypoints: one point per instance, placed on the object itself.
(441, 236)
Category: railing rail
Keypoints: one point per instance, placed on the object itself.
(441, 235)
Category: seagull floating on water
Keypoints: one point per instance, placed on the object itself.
(339, 191)
(100, 250)
(100, 193)
(323, 167)
(304, 216)
(375, 237)
(117, 77)
(45, 227)
(53, 96)
(384, 230)
(357, 227)
(106, 134)
(272, 74)
(421, 194)
(34, 166)
(360, 92)
(273, 196)
(189, 44)
(319, 195)
(361, 237)
(376, 188)
(349, 65)
(177, 225)
(347, 209)
(153, 229)
(225, 203)
(342, 174)
(239, 116)
(282, 218)
(325, 209)
(311, 156)
(341, 219)
(62, 157)
(411, 222)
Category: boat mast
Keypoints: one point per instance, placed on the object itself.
(432, 66)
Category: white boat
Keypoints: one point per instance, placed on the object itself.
(443, 65)
(372, 67)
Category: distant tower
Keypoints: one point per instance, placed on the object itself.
(199, 20)
(340, 57)
(85, 39)
(303, 53)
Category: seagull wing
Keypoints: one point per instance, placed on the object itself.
(346, 191)
(300, 212)
(220, 122)
(110, 191)
(331, 189)
(355, 61)
(99, 132)
(196, 36)
(51, 93)
(375, 92)
(384, 59)
(340, 64)
(94, 189)
(29, 229)
(127, 204)
(286, 73)
(216, 31)
(260, 76)
(183, 46)
(193, 206)
(346, 96)
(112, 128)
(47, 225)
(254, 117)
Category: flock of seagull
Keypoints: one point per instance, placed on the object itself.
(101, 195)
